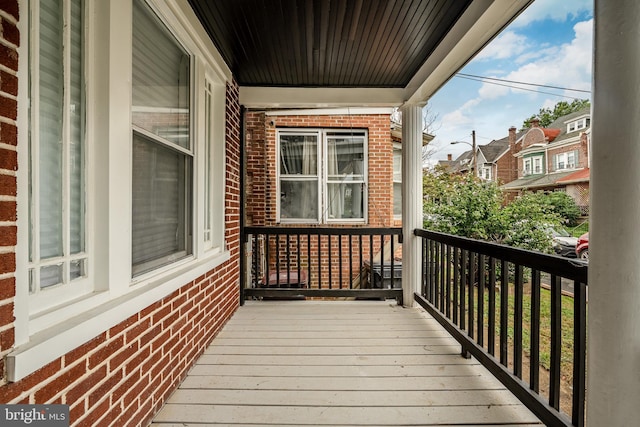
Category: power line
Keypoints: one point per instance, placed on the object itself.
(523, 83)
(516, 87)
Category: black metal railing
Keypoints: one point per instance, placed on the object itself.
(508, 309)
(322, 262)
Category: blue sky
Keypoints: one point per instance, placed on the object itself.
(550, 43)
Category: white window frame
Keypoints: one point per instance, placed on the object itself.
(322, 176)
(43, 336)
(533, 165)
(43, 299)
(397, 177)
(486, 173)
(564, 159)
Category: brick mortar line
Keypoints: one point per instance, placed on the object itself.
(8, 70)
(8, 17)
(8, 44)
(8, 121)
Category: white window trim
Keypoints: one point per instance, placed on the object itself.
(51, 334)
(322, 174)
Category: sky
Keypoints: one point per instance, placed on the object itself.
(550, 44)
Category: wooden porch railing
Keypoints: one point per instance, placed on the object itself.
(490, 298)
(321, 262)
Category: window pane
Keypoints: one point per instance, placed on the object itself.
(299, 199)
(345, 159)
(77, 120)
(160, 79)
(346, 201)
(161, 205)
(50, 275)
(298, 154)
(397, 198)
(50, 138)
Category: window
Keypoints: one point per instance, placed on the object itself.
(485, 173)
(581, 123)
(58, 261)
(321, 176)
(533, 165)
(162, 159)
(537, 165)
(568, 160)
(397, 181)
(122, 187)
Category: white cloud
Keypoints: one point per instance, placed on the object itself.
(567, 65)
(506, 45)
(555, 10)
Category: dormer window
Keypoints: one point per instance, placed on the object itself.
(581, 123)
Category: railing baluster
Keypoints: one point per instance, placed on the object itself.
(470, 292)
(393, 275)
(299, 261)
(350, 262)
(482, 270)
(517, 322)
(308, 260)
(556, 341)
(534, 333)
(425, 264)
(442, 269)
(463, 285)
(579, 352)
(288, 261)
(319, 244)
(340, 260)
(330, 261)
(361, 269)
(447, 265)
(456, 284)
(504, 312)
(491, 328)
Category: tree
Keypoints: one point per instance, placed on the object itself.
(467, 206)
(562, 108)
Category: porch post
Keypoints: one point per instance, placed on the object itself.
(411, 199)
(613, 372)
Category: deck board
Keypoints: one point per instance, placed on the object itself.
(341, 363)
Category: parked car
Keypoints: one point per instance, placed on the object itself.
(582, 247)
(564, 244)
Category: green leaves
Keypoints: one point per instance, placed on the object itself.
(469, 207)
(546, 116)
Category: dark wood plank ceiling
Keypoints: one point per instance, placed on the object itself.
(335, 43)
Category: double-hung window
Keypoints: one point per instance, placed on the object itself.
(567, 160)
(322, 176)
(162, 145)
(57, 256)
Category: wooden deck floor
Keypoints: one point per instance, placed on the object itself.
(307, 363)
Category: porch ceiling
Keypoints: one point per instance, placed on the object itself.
(348, 52)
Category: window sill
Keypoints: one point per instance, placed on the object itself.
(55, 341)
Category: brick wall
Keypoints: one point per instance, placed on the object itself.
(261, 162)
(261, 184)
(122, 376)
(9, 43)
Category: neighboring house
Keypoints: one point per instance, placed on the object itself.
(555, 158)
(494, 161)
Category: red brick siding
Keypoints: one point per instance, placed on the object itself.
(262, 162)
(122, 376)
(9, 43)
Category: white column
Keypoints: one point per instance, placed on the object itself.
(613, 355)
(411, 199)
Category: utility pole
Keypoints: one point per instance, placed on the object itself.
(475, 157)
